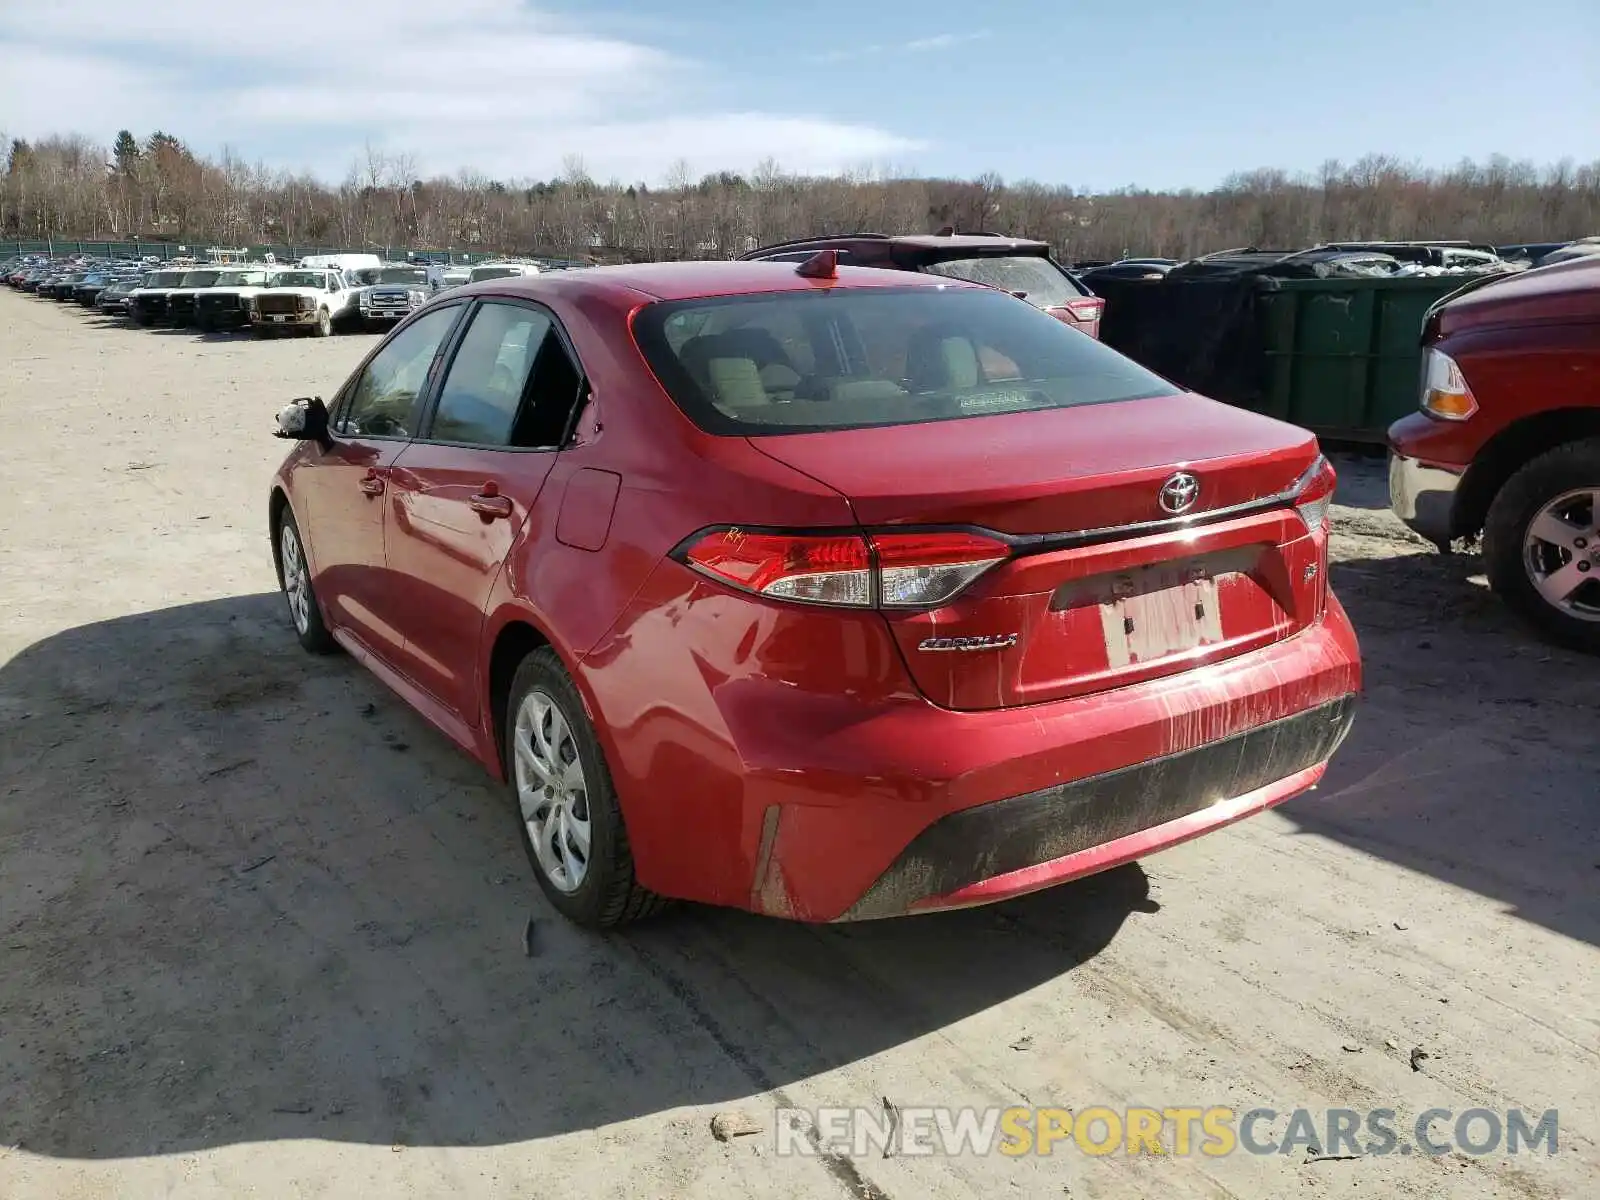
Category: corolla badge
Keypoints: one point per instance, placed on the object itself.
(986, 641)
(1178, 494)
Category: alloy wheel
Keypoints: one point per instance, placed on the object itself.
(1561, 553)
(552, 790)
(296, 579)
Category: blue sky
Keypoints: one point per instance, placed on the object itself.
(1100, 95)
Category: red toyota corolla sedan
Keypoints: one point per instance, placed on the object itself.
(829, 593)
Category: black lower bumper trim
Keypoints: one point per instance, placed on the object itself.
(974, 844)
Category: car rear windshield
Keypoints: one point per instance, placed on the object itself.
(479, 274)
(846, 358)
(1040, 281)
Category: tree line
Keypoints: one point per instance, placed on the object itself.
(71, 187)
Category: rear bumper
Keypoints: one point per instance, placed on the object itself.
(949, 808)
(1010, 847)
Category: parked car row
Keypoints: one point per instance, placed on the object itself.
(319, 295)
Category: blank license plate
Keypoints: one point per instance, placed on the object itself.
(1162, 611)
(280, 320)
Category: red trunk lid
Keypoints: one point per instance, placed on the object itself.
(1104, 590)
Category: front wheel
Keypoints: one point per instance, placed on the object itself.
(294, 576)
(571, 826)
(324, 325)
(1541, 544)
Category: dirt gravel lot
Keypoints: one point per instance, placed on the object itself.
(263, 930)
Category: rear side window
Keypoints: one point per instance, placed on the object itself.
(847, 358)
(1041, 281)
(511, 382)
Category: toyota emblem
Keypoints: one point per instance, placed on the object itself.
(1179, 493)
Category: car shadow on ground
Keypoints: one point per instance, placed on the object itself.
(1473, 757)
(246, 895)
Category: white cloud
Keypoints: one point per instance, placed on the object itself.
(922, 45)
(946, 41)
(489, 85)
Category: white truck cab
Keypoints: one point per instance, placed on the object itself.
(314, 300)
(224, 305)
(340, 262)
(501, 270)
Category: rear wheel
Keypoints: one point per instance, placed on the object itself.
(571, 827)
(294, 576)
(1541, 544)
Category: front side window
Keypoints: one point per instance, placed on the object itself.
(847, 358)
(511, 383)
(383, 402)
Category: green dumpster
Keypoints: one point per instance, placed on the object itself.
(1342, 356)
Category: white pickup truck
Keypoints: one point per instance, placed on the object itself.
(304, 300)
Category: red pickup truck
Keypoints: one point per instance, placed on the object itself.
(1506, 443)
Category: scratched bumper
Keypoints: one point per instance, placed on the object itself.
(1027, 842)
(958, 808)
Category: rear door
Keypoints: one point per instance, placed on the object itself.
(464, 488)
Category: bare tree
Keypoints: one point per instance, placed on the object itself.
(70, 187)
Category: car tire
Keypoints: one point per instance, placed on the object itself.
(1529, 572)
(324, 325)
(559, 785)
(294, 581)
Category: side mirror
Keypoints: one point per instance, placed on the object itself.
(304, 420)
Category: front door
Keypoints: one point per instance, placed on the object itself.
(346, 486)
(462, 491)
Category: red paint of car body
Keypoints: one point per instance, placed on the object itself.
(786, 758)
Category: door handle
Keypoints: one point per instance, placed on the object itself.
(489, 503)
(372, 484)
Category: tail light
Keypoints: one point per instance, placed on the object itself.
(1088, 309)
(852, 570)
(1313, 494)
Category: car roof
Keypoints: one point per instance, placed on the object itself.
(697, 280)
(979, 242)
